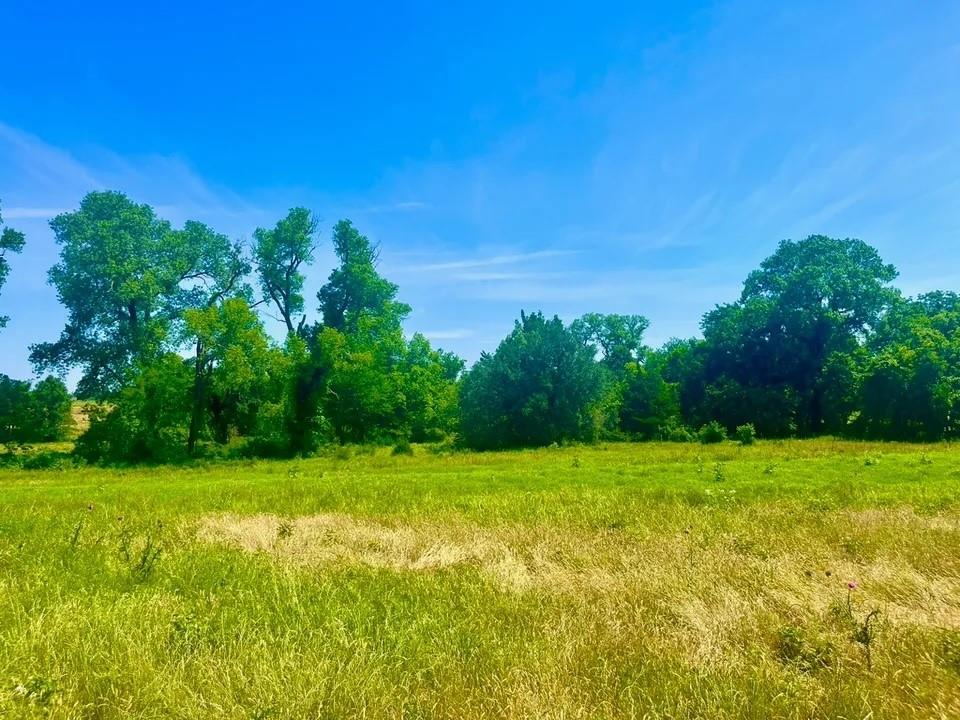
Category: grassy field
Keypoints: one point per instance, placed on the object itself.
(654, 580)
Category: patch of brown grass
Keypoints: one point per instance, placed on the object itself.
(705, 597)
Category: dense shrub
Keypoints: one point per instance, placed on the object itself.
(745, 434)
(403, 447)
(712, 432)
(677, 433)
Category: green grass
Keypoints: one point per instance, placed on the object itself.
(653, 580)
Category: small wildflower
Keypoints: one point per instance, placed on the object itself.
(852, 585)
(828, 573)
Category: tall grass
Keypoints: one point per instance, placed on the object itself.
(657, 580)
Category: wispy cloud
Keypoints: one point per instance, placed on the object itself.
(39, 180)
(390, 207)
(495, 260)
(30, 213)
(507, 276)
(454, 334)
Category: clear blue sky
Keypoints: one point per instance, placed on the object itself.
(611, 157)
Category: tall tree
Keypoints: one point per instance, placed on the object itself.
(355, 287)
(811, 298)
(909, 386)
(540, 386)
(10, 241)
(217, 272)
(119, 276)
(234, 368)
(279, 253)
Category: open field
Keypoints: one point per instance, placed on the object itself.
(656, 580)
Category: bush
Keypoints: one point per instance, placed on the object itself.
(745, 434)
(711, 433)
(403, 447)
(677, 433)
(47, 460)
(448, 445)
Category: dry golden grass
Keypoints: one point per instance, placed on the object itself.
(712, 593)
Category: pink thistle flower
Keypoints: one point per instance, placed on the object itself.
(852, 585)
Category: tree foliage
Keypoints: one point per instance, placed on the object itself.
(11, 241)
(164, 325)
(355, 288)
(539, 387)
(909, 388)
(618, 338)
(279, 254)
(41, 413)
(125, 277)
(766, 353)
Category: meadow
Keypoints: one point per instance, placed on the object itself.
(793, 579)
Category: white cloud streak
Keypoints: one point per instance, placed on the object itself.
(467, 263)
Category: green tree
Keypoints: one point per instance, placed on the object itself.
(364, 399)
(10, 241)
(355, 384)
(355, 288)
(619, 338)
(125, 277)
(148, 420)
(234, 369)
(51, 406)
(539, 387)
(649, 403)
(218, 269)
(429, 388)
(617, 341)
(909, 387)
(279, 254)
(810, 299)
(14, 410)
(682, 364)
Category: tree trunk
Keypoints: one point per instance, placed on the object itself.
(196, 416)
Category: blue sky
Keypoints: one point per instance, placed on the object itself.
(611, 157)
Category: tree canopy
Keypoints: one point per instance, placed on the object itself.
(11, 241)
(164, 325)
(125, 277)
(540, 386)
(355, 288)
(279, 254)
(766, 353)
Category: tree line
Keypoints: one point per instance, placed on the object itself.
(165, 326)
